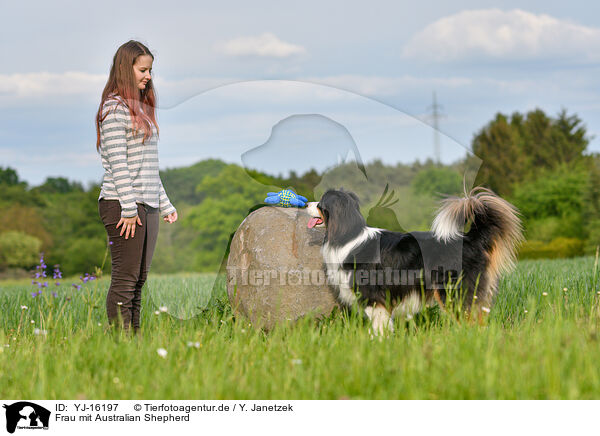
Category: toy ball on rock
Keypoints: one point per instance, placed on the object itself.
(285, 198)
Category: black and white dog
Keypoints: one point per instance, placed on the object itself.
(400, 273)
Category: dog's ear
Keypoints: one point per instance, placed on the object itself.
(328, 209)
(332, 221)
(343, 219)
(354, 196)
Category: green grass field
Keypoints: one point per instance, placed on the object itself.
(540, 341)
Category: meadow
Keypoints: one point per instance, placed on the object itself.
(541, 340)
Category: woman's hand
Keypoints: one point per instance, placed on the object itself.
(129, 225)
(171, 218)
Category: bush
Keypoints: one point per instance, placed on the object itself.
(557, 248)
(83, 255)
(557, 193)
(435, 181)
(549, 228)
(594, 237)
(18, 249)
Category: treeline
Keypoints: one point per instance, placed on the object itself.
(59, 218)
(535, 161)
(539, 163)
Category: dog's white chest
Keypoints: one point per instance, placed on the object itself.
(336, 276)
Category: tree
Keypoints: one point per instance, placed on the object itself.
(8, 176)
(83, 255)
(18, 250)
(59, 185)
(27, 220)
(553, 204)
(499, 146)
(181, 183)
(228, 197)
(435, 181)
(516, 149)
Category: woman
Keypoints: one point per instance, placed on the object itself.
(132, 195)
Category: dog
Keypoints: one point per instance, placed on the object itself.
(398, 274)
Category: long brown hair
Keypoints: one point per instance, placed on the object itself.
(121, 81)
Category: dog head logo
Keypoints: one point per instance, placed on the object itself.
(26, 415)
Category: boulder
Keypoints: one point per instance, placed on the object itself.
(275, 268)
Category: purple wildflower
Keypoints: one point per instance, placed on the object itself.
(110, 242)
(34, 294)
(57, 283)
(76, 286)
(57, 273)
(54, 294)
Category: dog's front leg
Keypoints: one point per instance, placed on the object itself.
(381, 321)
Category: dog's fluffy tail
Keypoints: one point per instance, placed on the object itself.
(494, 222)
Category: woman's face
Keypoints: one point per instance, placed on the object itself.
(141, 70)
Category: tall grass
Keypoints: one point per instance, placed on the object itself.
(539, 341)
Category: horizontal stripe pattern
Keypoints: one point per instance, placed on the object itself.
(130, 168)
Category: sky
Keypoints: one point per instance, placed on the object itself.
(301, 85)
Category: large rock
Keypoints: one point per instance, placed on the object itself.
(275, 268)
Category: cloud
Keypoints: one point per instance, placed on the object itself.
(265, 45)
(43, 84)
(40, 87)
(386, 86)
(504, 35)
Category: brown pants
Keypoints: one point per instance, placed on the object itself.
(131, 260)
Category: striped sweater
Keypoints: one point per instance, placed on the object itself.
(130, 167)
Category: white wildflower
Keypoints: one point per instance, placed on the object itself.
(24, 307)
(156, 312)
(120, 303)
(163, 308)
(162, 352)
(544, 294)
(194, 344)
(486, 309)
(32, 322)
